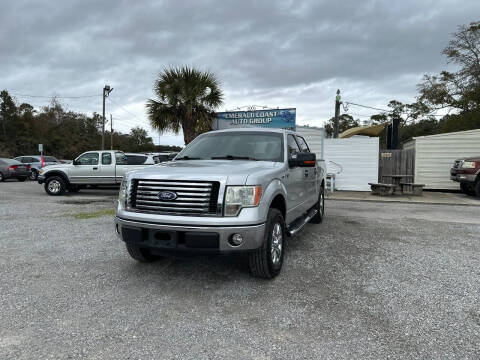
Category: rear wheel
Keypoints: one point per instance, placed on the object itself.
(22, 178)
(55, 186)
(33, 175)
(1, 177)
(468, 189)
(140, 254)
(266, 261)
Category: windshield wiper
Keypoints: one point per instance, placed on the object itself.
(232, 157)
(189, 158)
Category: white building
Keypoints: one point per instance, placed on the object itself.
(435, 154)
(354, 160)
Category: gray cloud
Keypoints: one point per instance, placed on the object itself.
(276, 53)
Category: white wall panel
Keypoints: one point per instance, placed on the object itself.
(435, 154)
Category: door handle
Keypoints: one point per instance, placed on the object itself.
(95, 168)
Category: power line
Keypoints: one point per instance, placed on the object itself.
(57, 96)
(121, 107)
(365, 106)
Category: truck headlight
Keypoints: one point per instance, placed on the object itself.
(123, 193)
(468, 165)
(238, 197)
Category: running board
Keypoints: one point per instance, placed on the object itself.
(301, 222)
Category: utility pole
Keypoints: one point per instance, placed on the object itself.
(111, 132)
(337, 114)
(106, 91)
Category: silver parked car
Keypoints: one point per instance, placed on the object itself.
(35, 162)
(10, 168)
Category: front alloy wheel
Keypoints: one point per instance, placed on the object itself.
(277, 244)
(55, 186)
(266, 261)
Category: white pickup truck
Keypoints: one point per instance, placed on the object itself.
(92, 168)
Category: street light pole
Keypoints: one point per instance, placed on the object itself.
(106, 91)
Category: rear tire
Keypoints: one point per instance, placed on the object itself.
(33, 175)
(320, 207)
(55, 186)
(477, 187)
(22, 178)
(468, 189)
(140, 254)
(2, 179)
(266, 262)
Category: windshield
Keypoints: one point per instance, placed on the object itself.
(245, 145)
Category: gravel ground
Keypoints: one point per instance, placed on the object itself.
(373, 281)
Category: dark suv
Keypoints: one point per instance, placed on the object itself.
(467, 172)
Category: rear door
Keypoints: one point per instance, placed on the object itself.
(85, 170)
(294, 182)
(106, 169)
(121, 166)
(311, 176)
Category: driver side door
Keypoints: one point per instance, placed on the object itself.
(85, 169)
(294, 183)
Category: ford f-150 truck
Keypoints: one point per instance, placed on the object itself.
(94, 168)
(241, 190)
(467, 172)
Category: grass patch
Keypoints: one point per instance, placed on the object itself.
(94, 214)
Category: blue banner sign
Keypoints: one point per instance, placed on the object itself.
(274, 118)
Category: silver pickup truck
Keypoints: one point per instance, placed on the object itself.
(228, 191)
(93, 168)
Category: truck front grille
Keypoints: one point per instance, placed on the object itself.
(192, 197)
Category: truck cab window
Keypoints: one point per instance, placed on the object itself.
(106, 159)
(88, 159)
(292, 146)
(303, 144)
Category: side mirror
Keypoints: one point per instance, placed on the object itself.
(303, 160)
(75, 162)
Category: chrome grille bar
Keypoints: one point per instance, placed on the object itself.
(193, 198)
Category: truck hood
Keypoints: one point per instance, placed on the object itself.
(235, 172)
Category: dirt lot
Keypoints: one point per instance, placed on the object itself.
(375, 280)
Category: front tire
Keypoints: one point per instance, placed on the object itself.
(320, 207)
(468, 189)
(266, 262)
(55, 186)
(33, 175)
(140, 254)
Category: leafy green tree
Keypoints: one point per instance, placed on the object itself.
(459, 90)
(140, 140)
(345, 122)
(186, 99)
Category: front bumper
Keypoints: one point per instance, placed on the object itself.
(179, 238)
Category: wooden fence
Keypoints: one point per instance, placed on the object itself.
(396, 162)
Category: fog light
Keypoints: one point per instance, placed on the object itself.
(236, 239)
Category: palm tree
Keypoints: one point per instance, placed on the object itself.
(186, 98)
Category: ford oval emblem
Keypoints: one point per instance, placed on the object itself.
(167, 195)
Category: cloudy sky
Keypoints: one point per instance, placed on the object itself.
(273, 53)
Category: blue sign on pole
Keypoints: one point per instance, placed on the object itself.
(274, 118)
